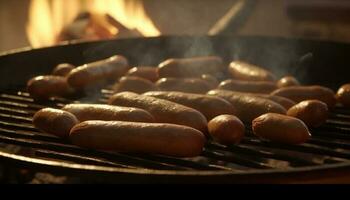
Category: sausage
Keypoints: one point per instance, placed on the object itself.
(191, 67)
(149, 73)
(301, 93)
(162, 110)
(213, 82)
(281, 128)
(89, 74)
(62, 69)
(245, 71)
(226, 129)
(85, 112)
(248, 86)
(54, 121)
(285, 102)
(44, 87)
(137, 137)
(209, 106)
(343, 95)
(287, 81)
(248, 106)
(134, 84)
(312, 112)
(190, 85)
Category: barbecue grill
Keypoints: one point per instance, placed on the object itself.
(323, 159)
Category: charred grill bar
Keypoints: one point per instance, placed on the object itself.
(324, 158)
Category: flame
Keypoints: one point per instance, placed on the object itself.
(48, 17)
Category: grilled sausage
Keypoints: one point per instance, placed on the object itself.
(248, 106)
(343, 95)
(134, 84)
(281, 128)
(287, 81)
(209, 106)
(162, 110)
(213, 82)
(62, 69)
(249, 72)
(85, 112)
(190, 85)
(248, 86)
(312, 112)
(54, 121)
(136, 137)
(301, 93)
(149, 73)
(226, 129)
(44, 87)
(89, 74)
(285, 102)
(191, 67)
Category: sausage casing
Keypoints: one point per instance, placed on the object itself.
(287, 81)
(163, 111)
(190, 85)
(249, 72)
(85, 112)
(54, 121)
(191, 67)
(149, 73)
(280, 128)
(62, 69)
(226, 129)
(44, 87)
(134, 84)
(343, 95)
(312, 112)
(136, 137)
(209, 106)
(301, 93)
(248, 86)
(91, 73)
(249, 107)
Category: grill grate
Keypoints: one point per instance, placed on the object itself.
(330, 144)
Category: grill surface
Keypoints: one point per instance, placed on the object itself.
(324, 158)
(330, 145)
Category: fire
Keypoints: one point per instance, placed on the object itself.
(48, 17)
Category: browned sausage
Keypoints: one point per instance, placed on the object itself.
(209, 106)
(44, 87)
(281, 128)
(62, 69)
(134, 84)
(149, 73)
(89, 74)
(211, 80)
(301, 93)
(285, 102)
(287, 81)
(248, 86)
(226, 129)
(54, 121)
(137, 137)
(249, 72)
(190, 85)
(162, 110)
(191, 67)
(85, 112)
(312, 112)
(343, 95)
(248, 106)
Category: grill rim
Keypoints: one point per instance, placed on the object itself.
(39, 161)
